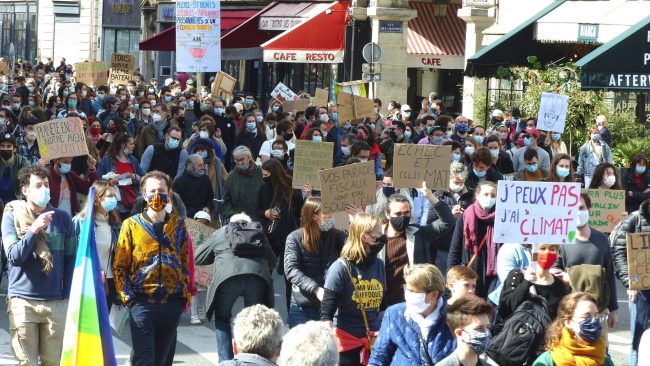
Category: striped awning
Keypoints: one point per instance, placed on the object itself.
(437, 36)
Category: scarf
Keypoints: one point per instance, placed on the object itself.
(249, 170)
(23, 219)
(347, 342)
(473, 216)
(570, 352)
(425, 323)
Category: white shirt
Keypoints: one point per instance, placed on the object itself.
(64, 197)
(103, 241)
(268, 144)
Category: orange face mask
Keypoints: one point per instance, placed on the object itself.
(157, 201)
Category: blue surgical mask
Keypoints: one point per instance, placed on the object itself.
(204, 154)
(167, 98)
(528, 141)
(317, 138)
(469, 150)
(275, 109)
(64, 168)
(109, 204)
(100, 97)
(437, 140)
(407, 134)
(455, 157)
(172, 143)
(184, 104)
(595, 137)
(31, 89)
(479, 139)
(136, 106)
(249, 102)
(335, 116)
(494, 153)
(556, 136)
(251, 126)
(640, 169)
(532, 168)
(42, 197)
(347, 124)
(479, 174)
(462, 128)
(562, 172)
(219, 111)
(66, 93)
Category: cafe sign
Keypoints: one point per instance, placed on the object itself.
(587, 32)
(436, 62)
(279, 23)
(302, 56)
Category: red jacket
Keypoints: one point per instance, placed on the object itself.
(76, 183)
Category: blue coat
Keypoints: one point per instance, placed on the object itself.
(399, 342)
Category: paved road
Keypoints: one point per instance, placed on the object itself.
(197, 344)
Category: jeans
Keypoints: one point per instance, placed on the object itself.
(300, 315)
(633, 352)
(253, 288)
(153, 331)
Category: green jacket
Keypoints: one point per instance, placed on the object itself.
(545, 359)
(17, 163)
(242, 194)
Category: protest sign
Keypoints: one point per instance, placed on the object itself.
(322, 95)
(198, 35)
(413, 164)
(552, 112)
(310, 157)
(199, 234)
(536, 212)
(638, 260)
(223, 85)
(607, 208)
(353, 184)
(122, 65)
(91, 73)
(298, 105)
(61, 138)
(4, 68)
(282, 92)
(354, 108)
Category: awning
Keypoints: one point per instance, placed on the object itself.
(286, 16)
(320, 39)
(590, 21)
(166, 40)
(436, 42)
(243, 41)
(622, 63)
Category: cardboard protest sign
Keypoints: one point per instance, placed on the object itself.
(298, 105)
(536, 212)
(353, 184)
(354, 108)
(552, 112)
(91, 73)
(4, 68)
(282, 92)
(122, 65)
(638, 260)
(322, 95)
(356, 87)
(607, 208)
(223, 85)
(61, 138)
(309, 158)
(199, 234)
(413, 164)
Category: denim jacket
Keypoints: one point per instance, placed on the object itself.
(586, 165)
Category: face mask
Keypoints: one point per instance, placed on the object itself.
(455, 157)
(112, 129)
(583, 218)
(251, 126)
(277, 153)
(199, 173)
(400, 223)
(219, 111)
(640, 169)
(494, 153)
(16, 106)
(136, 106)
(469, 150)
(456, 187)
(478, 341)
(157, 201)
(479, 139)
(41, 197)
(65, 168)
(376, 248)
(415, 302)
(259, 119)
(204, 134)
(287, 136)
(590, 329)
(562, 172)
(503, 135)
(203, 154)
(595, 137)
(609, 181)
(152, 90)
(109, 204)
(388, 191)
(436, 140)
(95, 131)
(31, 103)
(30, 136)
(520, 143)
(249, 102)
(275, 109)
(152, 102)
(532, 168)
(317, 138)
(327, 224)
(346, 126)
(479, 174)
(528, 141)
(31, 89)
(6, 154)
(65, 93)
(556, 136)
(406, 114)
(146, 112)
(323, 117)
(363, 160)
(546, 260)
(2, 86)
(487, 202)
(345, 150)
(462, 128)
(167, 98)
(243, 167)
(2, 121)
(172, 143)
(169, 208)
(100, 97)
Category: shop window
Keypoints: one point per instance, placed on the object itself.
(120, 41)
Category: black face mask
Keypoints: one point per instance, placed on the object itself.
(6, 154)
(288, 136)
(400, 223)
(267, 180)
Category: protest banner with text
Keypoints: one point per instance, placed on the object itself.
(607, 208)
(199, 233)
(638, 260)
(122, 65)
(91, 73)
(536, 212)
(413, 164)
(349, 184)
(311, 157)
(61, 138)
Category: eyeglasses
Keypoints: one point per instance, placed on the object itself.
(599, 317)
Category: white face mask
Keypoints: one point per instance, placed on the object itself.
(168, 208)
(583, 218)
(259, 119)
(146, 111)
(456, 187)
(609, 181)
(324, 117)
(415, 302)
(204, 134)
(487, 202)
(345, 150)
(156, 117)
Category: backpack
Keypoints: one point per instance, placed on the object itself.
(246, 238)
(519, 340)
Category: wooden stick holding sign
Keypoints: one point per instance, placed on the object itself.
(199, 233)
(638, 260)
(350, 184)
(311, 157)
(61, 138)
(413, 164)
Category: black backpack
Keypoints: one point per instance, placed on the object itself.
(246, 238)
(519, 340)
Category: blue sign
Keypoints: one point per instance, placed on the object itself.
(390, 27)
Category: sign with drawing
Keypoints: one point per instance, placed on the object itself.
(552, 112)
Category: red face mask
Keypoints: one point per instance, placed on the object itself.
(520, 143)
(546, 259)
(95, 131)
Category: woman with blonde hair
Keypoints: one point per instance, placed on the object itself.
(310, 251)
(574, 337)
(354, 289)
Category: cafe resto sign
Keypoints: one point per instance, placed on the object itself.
(312, 56)
(436, 62)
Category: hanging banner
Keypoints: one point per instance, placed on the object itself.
(198, 36)
(536, 212)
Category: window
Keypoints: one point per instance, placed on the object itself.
(18, 25)
(120, 41)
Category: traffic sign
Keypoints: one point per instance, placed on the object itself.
(371, 52)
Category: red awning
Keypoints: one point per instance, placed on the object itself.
(320, 39)
(166, 40)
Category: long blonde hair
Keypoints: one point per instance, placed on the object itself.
(101, 187)
(354, 248)
(310, 229)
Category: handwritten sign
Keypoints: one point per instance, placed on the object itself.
(61, 138)
(310, 157)
(282, 92)
(298, 105)
(199, 234)
(91, 73)
(4, 68)
(122, 65)
(353, 184)
(198, 35)
(321, 97)
(638, 260)
(607, 208)
(354, 108)
(536, 212)
(413, 164)
(552, 112)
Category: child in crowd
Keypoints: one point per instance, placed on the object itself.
(461, 281)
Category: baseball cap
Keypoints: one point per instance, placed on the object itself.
(202, 215)
(8, 137)
(239, 107)
(533, 131)
(405, 107)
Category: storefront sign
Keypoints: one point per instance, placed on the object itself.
(121, 13)
(309, 57)
(167, 13)
(278, 23)
(436, 62)
(198, 35)
(587, 32)
(386, 26)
